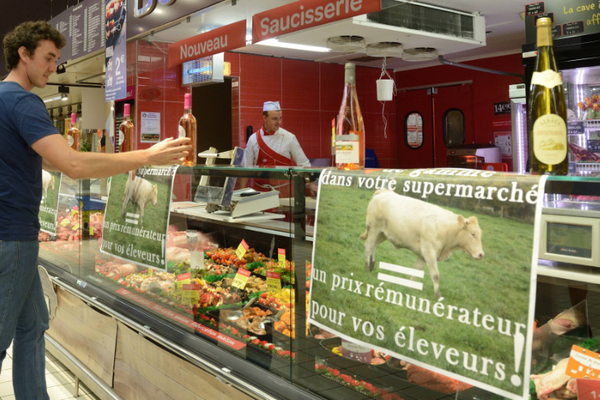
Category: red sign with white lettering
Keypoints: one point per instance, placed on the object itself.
(237, 345)
(588, 389)
(307, 14)
(225, 38)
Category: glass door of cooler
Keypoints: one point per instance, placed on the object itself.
(582, 92)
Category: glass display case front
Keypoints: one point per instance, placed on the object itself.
(240, 282)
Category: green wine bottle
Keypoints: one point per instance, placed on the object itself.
(547, 109)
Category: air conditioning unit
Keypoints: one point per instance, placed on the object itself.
(429, 18)
(204, 71)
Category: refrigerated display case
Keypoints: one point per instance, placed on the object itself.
(285, 359)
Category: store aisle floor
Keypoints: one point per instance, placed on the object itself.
(60, 381)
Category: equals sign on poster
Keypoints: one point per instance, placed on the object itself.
(413, 273)
(132, 218)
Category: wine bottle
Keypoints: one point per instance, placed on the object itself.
(125, 139)
(350, 130)
(74, 134)
(547, 109)
(187, 129)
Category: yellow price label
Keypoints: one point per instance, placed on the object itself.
(273, 282)
(76, 227)
(241, 279)
(241, 250)
(65, 222)
(191, 294)
(183, 279)
(281, 255)
(91, 231)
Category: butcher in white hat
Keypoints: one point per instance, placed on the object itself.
(273, 146)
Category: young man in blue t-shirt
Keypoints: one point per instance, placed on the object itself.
(28, 141)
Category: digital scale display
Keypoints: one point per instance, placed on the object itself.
(569, 240)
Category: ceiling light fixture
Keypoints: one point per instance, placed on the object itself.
(63, 93)
(52, 98)
(293, 46)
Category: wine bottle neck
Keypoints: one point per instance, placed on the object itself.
(544, 36)
(187, 110)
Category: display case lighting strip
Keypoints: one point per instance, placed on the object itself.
(145, 331)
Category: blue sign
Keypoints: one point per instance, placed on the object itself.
(115, 84)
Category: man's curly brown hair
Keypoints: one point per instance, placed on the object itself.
(29, 34)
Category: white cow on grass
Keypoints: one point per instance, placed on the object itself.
(431, 232)
(140, 192)
(47, 182)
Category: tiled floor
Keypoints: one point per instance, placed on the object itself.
(59, 380)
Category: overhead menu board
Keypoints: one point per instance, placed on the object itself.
(569, 17)
(81, 26)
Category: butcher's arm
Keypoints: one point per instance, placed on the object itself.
(56, 151)
(298, 154)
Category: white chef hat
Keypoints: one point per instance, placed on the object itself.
(271, 106)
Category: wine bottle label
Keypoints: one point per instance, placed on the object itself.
(548, 78)
(550, 139)
(120, 138)
(347, 151)
(182, 132)
(70, 140)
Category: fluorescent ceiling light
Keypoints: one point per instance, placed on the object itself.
(53, 98)
(293, 46)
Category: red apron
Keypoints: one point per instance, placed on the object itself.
(267, 157)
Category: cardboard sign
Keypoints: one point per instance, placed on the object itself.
(49, 204)
(356, 351)
(225, 38)
(241, 250)
(183, 279)
(306, 14)
(241, 279)
(379, 296)
(583, 363)
(273, 281)
(134, 234)
(588, 389)
(281, 257)
(191, 294)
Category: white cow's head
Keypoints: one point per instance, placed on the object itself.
(469, 237)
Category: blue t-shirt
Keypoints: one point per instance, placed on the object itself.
(23, 121)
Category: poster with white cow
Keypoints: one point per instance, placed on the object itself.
(137, 216)
(433, 267)
(49, 204)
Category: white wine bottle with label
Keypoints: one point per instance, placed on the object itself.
(187, 128)
(547, 109)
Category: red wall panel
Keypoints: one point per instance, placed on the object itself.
(487, 88)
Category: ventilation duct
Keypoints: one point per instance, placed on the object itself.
(346, 43)
(420, 54)
(428, 18)
(385, 49)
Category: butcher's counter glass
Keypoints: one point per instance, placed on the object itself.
(192, 308)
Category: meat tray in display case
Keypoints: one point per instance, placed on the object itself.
(234, 292)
